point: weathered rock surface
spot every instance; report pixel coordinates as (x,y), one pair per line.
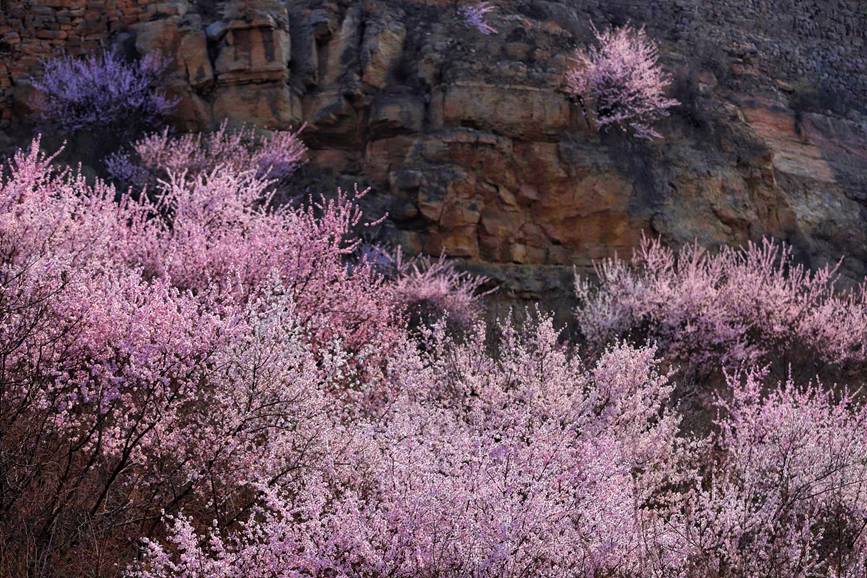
(471,145)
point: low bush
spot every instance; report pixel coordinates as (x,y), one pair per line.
(731,307)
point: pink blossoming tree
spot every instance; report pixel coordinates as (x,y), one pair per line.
(620,82)
(276,155)
(730,307)
(431,290)
(530,465)
(788,494)
(160,354)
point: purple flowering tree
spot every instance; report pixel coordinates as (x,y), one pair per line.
(100,91)
(475,16)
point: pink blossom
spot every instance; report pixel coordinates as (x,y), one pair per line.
(275,156)
(735,306)
(432,290)
(526,466)
(787,496)
(622,82)
(164,350)
(475,15)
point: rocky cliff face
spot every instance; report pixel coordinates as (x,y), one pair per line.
(471,145)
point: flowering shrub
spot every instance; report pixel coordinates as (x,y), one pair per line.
(789,494)
(519,467)
(276,156)
(475,16)
(738,305)
(99,91)
(432,290)
(621,79)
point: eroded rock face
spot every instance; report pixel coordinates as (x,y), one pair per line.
(471,145)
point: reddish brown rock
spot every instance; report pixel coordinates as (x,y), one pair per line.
(518,111)
(158,37)
(793,151)
(391,113)
(265,105)
(192,54)
(253,52)
(380,50)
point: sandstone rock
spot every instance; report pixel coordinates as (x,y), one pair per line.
(185,47)
(192,112)
(539,163)
(330,112)
(340,55)
(402,210)
(793,153)
(380,50)
(532,234)
(528,193)
(500,223)
(330,159)
(216,30)
(251,53)
(158,36)
(193,55)
(25,99)
(410,242)
(430,201)
(507,197)
(265,13)
(266,105)
(460,212)
(459,242)
(171,8)
(322,22)
(521,253)
(385,155)
(517,111)
(590,214)
(391,113)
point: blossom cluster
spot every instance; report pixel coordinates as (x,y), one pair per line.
(730,307)
(476,16)
(535,464)
(165,351)
(275,155)
(101,90)
(621,82)
(474,467)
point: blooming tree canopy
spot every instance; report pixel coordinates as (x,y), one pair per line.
(101,90)
(620,81)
